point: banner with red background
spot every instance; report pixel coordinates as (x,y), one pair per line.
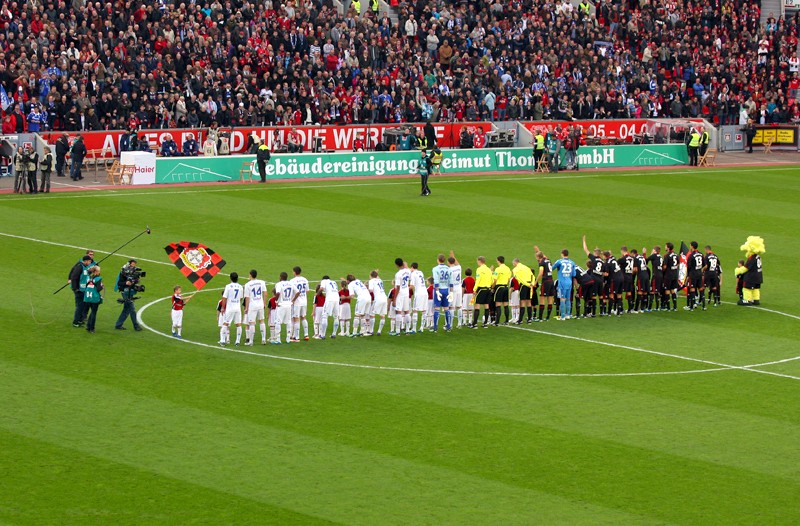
(337,138)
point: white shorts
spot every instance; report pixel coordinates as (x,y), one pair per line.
(430,307)
(403,303)
(458,295)
(421,302)
(392,312)
(514,299)
(317,314)
(220,319)
(177,317)
(283,314)
(299,310)
(362,306)
(271,318)
(254,315)
(466,301)
(344,311)
(233,317)
(331,308)
(379,308)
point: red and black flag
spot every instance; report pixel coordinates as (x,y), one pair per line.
(683,264)
(197,262)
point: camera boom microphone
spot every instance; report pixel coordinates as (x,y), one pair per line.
(145,231)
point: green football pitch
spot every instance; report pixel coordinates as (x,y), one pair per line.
(661,418)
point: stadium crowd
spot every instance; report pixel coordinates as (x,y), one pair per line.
(82,65)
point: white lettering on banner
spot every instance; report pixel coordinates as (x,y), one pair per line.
(305,166)
(342,137)
(597,156)
(506,160)
(110,145)
(466,163)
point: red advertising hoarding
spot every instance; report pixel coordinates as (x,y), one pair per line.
(623,129)
(337,138)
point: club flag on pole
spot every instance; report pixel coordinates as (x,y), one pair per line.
(196,261)
(683,265)
(5,100)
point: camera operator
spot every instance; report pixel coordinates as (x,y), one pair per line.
(128,285)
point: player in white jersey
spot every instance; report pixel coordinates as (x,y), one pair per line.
(442,293)
(255,291)
(283,314)
(363,301)
(458,292)
(379,302)
(232,307)
(299,305)
(329,288)
(420,300)
(402,297)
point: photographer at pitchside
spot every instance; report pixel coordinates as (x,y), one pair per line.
(128,285)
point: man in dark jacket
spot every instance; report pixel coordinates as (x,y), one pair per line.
(430,134)
(78,154)
(262,156)
(62,148)
(77,277)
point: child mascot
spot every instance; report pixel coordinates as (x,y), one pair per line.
(751,272)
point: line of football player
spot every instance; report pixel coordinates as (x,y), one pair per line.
(607,285)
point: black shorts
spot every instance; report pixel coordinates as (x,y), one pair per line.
(712,280)
(671,282)
(599,286)
(657,283)
(524,293)
(501,294)
(617,284)
(607,286)
(627,284)
(587,290)
(695,280)
(548,288)
(643,282)
(483,296)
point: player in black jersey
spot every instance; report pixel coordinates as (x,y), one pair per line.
(712,275)
(597,268)
(642,273)
(547,287)
(615,285)
(586,282)
(672,265)
(694,277)
(626,262)
(658,298)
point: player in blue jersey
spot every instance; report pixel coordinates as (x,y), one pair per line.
(442,293)
(565,269)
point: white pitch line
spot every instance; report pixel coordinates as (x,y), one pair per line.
(757,307)
(298,183)
(405,369)
(658,353)
(65,245)
(719,366)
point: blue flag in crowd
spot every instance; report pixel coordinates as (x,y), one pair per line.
(5,100)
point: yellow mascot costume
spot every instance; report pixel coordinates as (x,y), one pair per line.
(751,272)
